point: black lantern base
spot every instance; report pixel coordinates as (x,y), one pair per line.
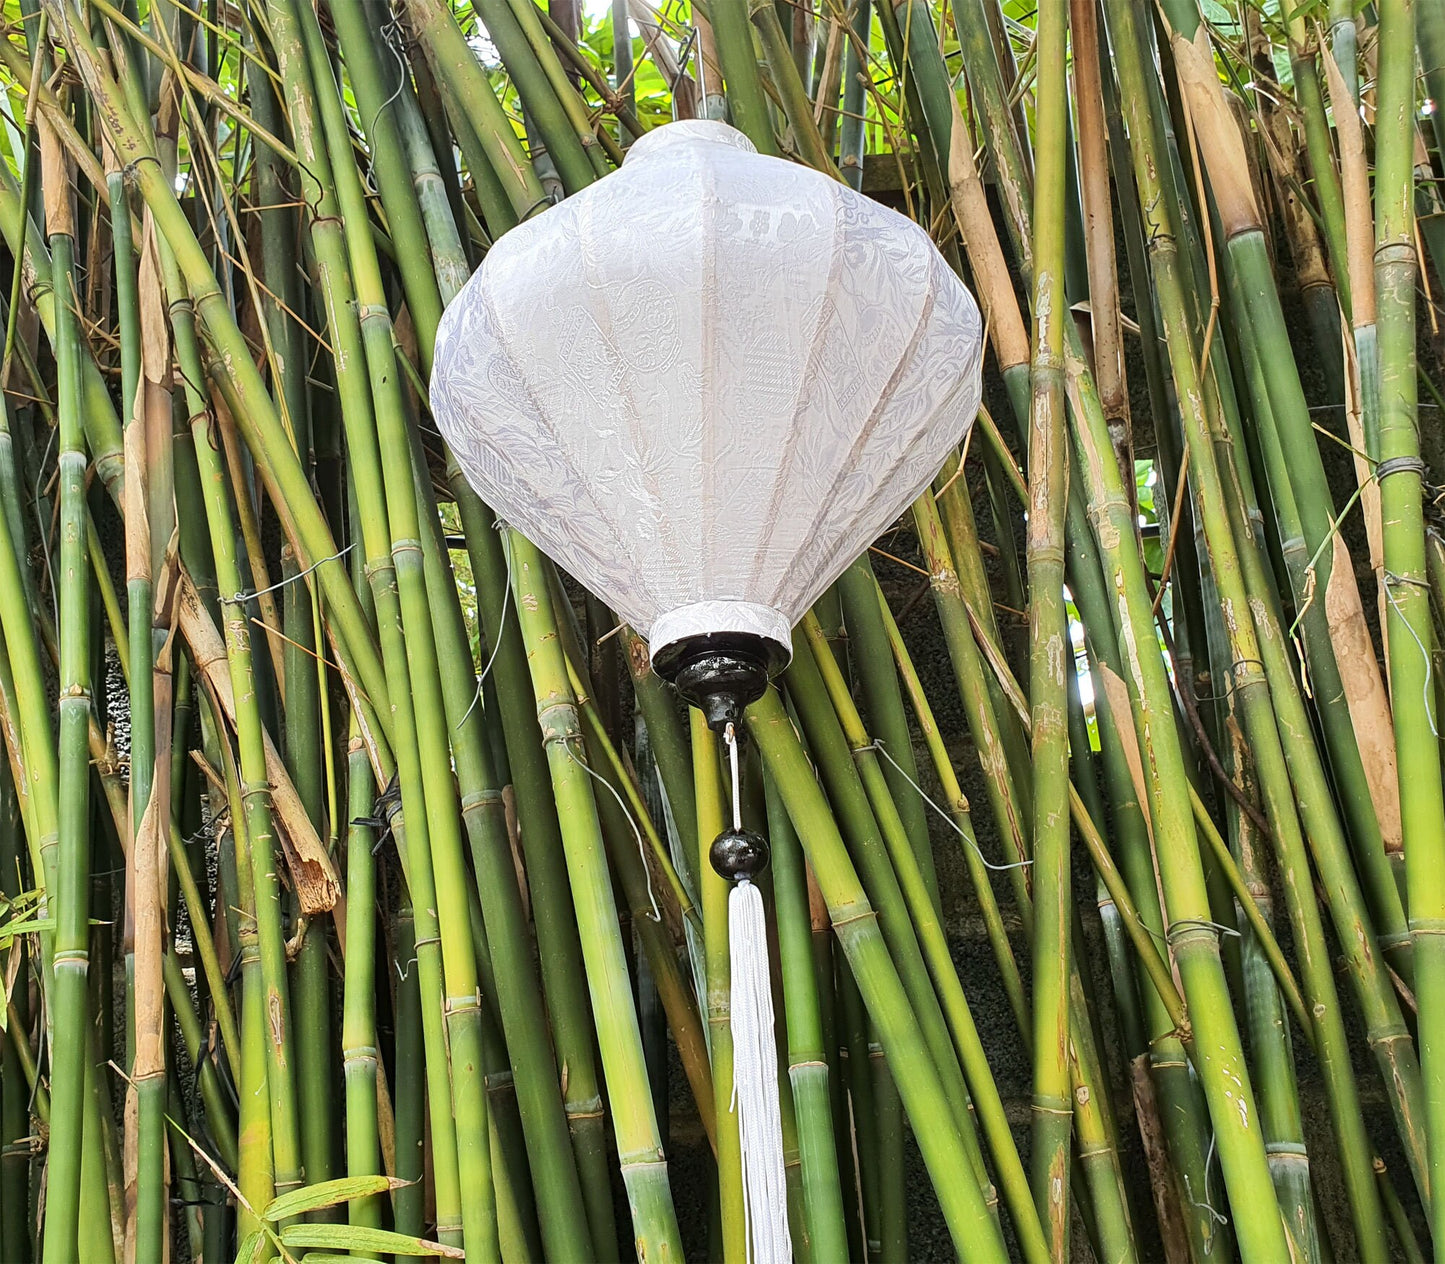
(720,673)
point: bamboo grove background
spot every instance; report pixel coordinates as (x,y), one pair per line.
(353,863)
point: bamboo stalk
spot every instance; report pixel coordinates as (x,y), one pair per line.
(1407,623)
(986,1102)
(1048,639)
(69,1001)
(856,926)
(808,1067)
(711,821)
(639,1146)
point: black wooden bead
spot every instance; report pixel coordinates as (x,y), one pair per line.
(738,854)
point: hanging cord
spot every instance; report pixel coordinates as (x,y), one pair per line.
(241,598)
(755,1067)
(626,811)
(877,745)
(731,738)
(1391,579)
(499,526)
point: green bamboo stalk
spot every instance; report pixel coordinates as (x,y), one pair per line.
(862,1138)
(964,1207)
(1263,317)
(515,987)
(1279,1106)
(256,1173)
(517,1230)
(958,808)
(69,1003)
(747,103)
(103,430)
(809,1072)
(831,750)
(892,1127)
(254,795)
(236,372)
(928,926)
(359,413)
(797,107)
(1387,1034)
(883,706)
(1250,689)
(14,1110)
(1408,632)
(380,112)
(852,134)
(559,952)
(1106,1182)
(655,916)
(440,200)
(552,45)
(1107,1213)
(639,1145)
(671,750)
(219,1123)
(551,101)
(1049,642)
(408,1201)
(311,1004)
(443,821)
(712,819)
(457,67)
(359,1056)
(1003,792)
(259,837)
(573,1044)
(676,899)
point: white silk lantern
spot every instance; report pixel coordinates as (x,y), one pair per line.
(703,385)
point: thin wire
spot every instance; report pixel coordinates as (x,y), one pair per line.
(1391,579)
(1206,1205)
(877,745)
(390,34)
(241,598)
(1196,922)
(636,833)
(501,622)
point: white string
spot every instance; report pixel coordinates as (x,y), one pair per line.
(731,738)
(501,628)
(755,1076)
(241,598)
(877,745)
(1390,581)
(626,811)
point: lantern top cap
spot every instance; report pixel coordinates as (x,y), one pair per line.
(688,131)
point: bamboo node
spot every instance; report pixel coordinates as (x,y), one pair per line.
(1426,926)
(558,721)
(1188,927)
(864,915)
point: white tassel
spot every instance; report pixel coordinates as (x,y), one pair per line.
(755,1080)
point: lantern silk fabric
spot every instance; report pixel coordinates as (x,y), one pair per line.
(705,383)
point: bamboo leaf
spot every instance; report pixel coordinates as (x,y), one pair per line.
(328,1194)
(358,1238)
(250,1250)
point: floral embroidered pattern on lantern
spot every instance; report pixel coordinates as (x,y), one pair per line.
(750,370)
